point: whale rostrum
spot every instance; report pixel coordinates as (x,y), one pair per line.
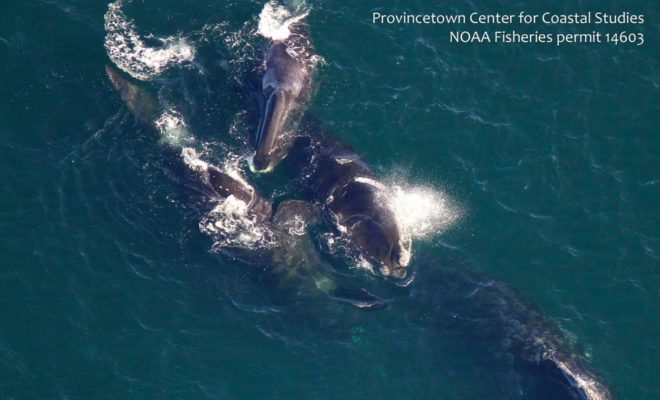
(284,91)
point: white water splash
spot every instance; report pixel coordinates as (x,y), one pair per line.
(131,54)
(421,211)
(231,226)
(173,129)
(297,226)
(275,20)
(192,160)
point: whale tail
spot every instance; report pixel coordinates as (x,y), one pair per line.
(495,316)
(359,298)
(576,379)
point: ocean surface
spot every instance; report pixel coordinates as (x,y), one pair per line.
(541,163)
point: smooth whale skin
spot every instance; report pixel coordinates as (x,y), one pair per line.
(351,196)
(355,202)
(284,92)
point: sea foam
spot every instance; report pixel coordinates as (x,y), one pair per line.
(128,50)
(275,20)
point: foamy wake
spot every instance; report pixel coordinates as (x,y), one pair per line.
(130,53)
(229,224)
(275,21)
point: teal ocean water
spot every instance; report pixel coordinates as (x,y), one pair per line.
(108,289)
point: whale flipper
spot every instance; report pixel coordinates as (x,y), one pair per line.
(225,185)
(359,298)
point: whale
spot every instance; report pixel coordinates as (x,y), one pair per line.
(343,190)
(293,258)
(284,89)
(351,197)
(457,299)
(355,203)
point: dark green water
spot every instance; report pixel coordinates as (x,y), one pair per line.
(109,290)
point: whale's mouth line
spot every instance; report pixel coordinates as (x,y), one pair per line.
(253,169)
(265,118)
(271,129)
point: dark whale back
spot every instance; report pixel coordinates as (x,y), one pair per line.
(351,196)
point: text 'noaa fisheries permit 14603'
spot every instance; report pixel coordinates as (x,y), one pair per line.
(611,28)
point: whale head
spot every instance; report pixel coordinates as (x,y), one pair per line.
(382,245)
(282,85)
(272,141)
(371,225)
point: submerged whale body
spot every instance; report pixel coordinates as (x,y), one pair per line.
(488,312)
